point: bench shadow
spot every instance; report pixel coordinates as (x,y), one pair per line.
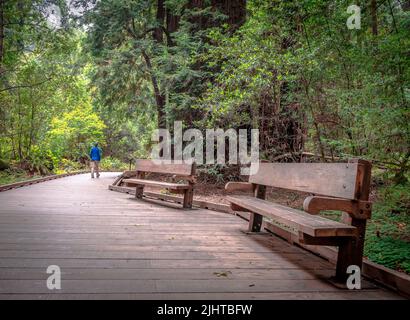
(317,266)
(164,203)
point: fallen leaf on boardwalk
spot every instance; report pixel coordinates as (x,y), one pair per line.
(222,274)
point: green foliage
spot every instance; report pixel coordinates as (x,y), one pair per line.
(390,252)
(113,164)
(349,87)
(40,161)
(128,131)
(72,135)
(45,83)
(66,165)
(395,199)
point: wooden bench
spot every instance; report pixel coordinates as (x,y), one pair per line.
(336,186)
(185,172)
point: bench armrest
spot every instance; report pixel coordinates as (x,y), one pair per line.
(239,186)
(356,208)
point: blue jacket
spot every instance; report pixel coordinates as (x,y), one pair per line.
(95,154)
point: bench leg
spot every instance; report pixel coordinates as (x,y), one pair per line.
(350,253)
(188,198)
(255,222)
(139,191)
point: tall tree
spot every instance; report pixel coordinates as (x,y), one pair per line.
(153,30)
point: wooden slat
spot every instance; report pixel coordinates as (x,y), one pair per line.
(171,274)
(312,225)
(165,246)
(329,179)
(152,183)
(280,263)
(305,295)
(165,168)
(171,254)
(167,286)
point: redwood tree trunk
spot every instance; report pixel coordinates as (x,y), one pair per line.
(234,9)
(159,39)
(158,33)
(373,8)
(2,2)
(172,22)
(159,97)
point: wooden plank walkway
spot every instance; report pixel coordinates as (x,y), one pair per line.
(109,245)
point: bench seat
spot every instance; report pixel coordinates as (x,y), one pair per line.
(314,226)
(152,183)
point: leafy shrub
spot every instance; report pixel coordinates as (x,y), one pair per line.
(13,174)
(71,134)
(67,165)
(388,251)
(218,174)
(4,165)
(40,161)
(396,199)
(113,164)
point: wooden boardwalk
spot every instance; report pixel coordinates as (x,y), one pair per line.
(109,245)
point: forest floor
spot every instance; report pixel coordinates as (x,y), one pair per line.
(388,231)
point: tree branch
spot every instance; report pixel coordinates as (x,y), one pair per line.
(25,85)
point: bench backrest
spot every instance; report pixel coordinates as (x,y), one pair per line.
(165,168)
(342,180)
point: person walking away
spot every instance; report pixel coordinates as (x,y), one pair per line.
(95,155)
